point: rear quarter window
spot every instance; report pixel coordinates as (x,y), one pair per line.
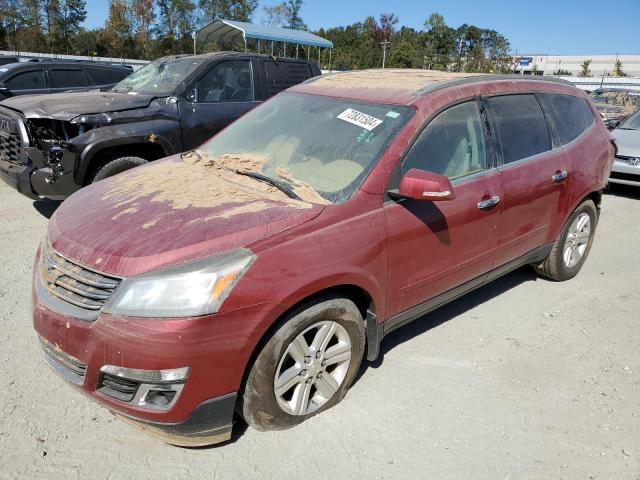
(33,79)
(521,129)
(63,78)
(106,76)
(571,116)
(282,75)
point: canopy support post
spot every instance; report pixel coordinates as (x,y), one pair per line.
(272,48)
(297,50)
(193,35)
(245,44)
(308,52)
(258,46)
(285,49)
(330,51)
(319,50)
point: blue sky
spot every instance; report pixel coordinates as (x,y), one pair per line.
(568,27)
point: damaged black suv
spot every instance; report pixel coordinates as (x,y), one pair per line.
(53,145)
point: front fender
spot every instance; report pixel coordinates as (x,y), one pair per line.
(165,133)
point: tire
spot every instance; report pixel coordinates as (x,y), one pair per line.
(115,166)
(560,265)
(313,375)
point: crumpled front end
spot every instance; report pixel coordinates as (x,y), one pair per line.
(36,157)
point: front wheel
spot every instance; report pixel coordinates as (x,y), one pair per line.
(572,246)
(115,166)
(306,367)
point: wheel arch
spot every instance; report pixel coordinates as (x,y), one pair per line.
(98,154)
(357,294)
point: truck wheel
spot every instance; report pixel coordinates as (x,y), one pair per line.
(115,166)
(306,367)
(572,246)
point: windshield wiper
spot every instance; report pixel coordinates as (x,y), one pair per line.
(283,187)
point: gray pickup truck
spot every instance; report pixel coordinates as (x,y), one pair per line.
(52,145)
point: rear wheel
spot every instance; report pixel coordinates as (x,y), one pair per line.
(572,246)
(306,367)
(115,166)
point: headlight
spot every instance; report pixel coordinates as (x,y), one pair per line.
(187,290)
(97,120)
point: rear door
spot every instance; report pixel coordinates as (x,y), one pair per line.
(278,75)
(63,79)
(221,95)
(27,82)
(436,246)
(535,179)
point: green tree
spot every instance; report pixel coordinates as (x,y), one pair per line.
(72,14)
(241,10)
(175,26)
(117,29)
(143,16)
(617,69)
(584,69)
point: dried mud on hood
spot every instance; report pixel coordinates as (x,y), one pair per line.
(199,181)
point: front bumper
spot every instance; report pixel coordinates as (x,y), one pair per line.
(623,172)
(17,177)
(216,347)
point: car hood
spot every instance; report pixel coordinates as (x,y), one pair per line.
(65,106)
(628,142)
(168,212)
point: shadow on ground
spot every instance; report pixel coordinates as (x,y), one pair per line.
(626,191)
(46,207)
(449,312)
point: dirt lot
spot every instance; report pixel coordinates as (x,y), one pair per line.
(524,378)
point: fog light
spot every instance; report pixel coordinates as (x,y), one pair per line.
(157,389)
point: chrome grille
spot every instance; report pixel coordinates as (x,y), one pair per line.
(76,284)
(69,367)
(10,144)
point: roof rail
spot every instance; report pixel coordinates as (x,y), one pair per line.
(486,78)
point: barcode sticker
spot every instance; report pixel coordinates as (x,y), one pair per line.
(360,119)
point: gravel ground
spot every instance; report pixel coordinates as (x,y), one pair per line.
(524,378)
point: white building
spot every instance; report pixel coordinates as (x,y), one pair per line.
(601,65)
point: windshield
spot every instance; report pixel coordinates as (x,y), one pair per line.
(631,123)
(313,142)
(159,78)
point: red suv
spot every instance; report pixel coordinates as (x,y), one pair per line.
(255,272)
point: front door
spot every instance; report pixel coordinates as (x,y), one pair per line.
(436,246)
(219,97)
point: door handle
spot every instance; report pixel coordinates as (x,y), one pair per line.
(489,202)
(560,176)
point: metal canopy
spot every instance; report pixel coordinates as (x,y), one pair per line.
(227,31)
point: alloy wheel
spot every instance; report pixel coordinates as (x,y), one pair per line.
(577,240)
(312,368)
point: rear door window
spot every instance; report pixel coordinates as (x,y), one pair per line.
(521,129)
(31,80)
(106,76)
(282,75)
(60,78)
(571,116)
(452,144)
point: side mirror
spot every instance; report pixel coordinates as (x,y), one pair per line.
(191,95)
(422,185)
(611,124)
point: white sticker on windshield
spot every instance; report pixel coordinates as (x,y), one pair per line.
(360,119)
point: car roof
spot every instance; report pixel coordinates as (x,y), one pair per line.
(66,63)
(212,55)
(401,86)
